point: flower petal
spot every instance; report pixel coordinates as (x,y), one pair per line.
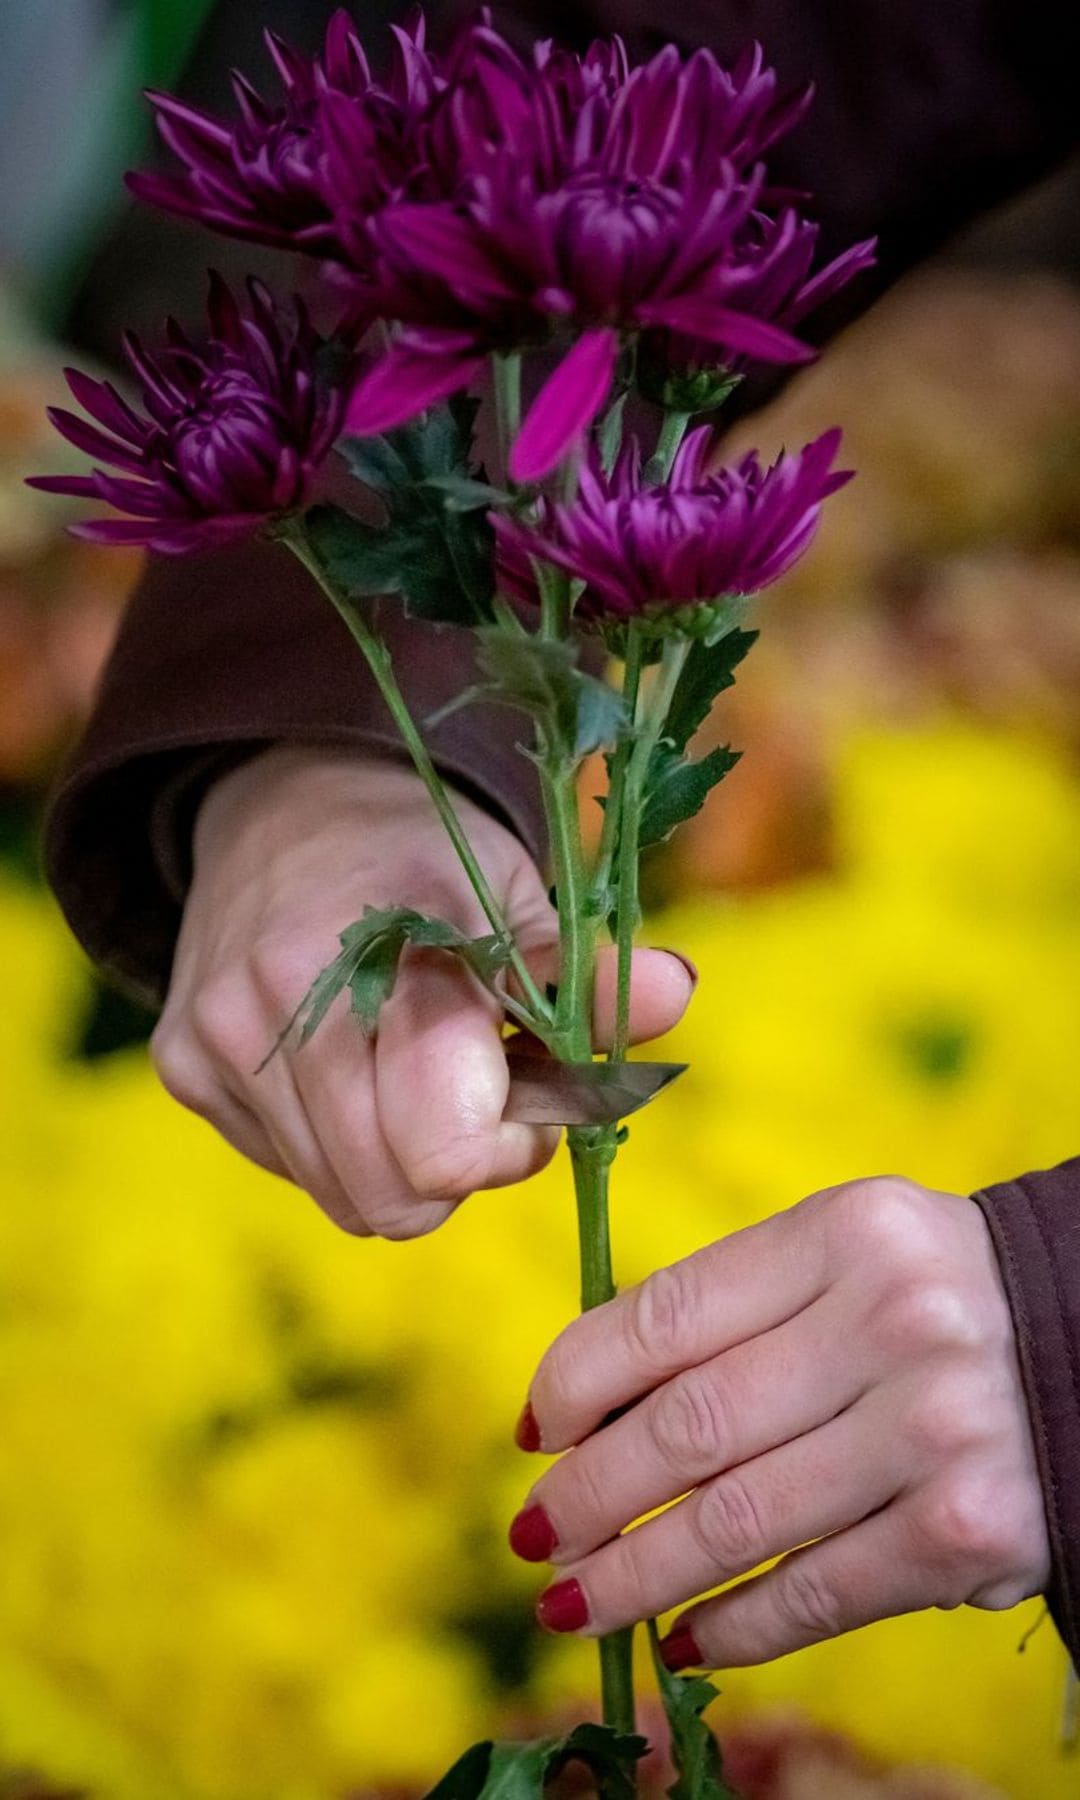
(702,318)
(566,405)
(405,381)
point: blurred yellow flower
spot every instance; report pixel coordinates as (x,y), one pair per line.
(256,1475)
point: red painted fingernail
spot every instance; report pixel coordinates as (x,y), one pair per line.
(679,1651)
(527,1431)
(690,967)
(532,1535)
(563,1607)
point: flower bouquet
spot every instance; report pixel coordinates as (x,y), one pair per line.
(605,237)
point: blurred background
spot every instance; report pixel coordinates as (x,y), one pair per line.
(254,1476)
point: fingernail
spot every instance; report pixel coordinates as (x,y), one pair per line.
(563,1607)
(527,1431)
(532,1535)
(690,967)
(679,1651)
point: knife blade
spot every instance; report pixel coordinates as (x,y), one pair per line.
(546,1092)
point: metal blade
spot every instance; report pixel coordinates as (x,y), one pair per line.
(546,1092)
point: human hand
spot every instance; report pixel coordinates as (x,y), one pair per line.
(387,1136)
(839,1383)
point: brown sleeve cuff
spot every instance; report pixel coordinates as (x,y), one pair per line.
(1035,1225)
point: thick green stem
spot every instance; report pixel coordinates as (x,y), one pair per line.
(592,1148)
(631,799)
(378,661)
(592,1152)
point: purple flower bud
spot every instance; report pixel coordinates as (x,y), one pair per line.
(652,553)
(232,434)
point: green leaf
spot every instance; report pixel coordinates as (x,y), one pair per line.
(364,560)
(437,548)
(677,788)
(436,442)
(575,712)
(694,1750)
(439,560)
(708,670)
(507,1771)
(367,965)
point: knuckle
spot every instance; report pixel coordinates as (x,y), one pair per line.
(557,1388)
(657,1312)
(451,1170)
(399,1223)
(180,1067)
(281,971)
(962,1527)
(220,1020)
(886,1215)
(927,1315)
(635,1576)
(584,1497)
(728,1525)
(807,1603)
(939,1422)
(687,1422)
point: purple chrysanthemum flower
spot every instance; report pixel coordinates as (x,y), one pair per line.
(233,434)
(602,254)
(671,553)
(629,209)
(261,176)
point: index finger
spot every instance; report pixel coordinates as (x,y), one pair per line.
(676,1318)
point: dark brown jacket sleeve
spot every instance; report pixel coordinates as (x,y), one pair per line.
(1035,1224)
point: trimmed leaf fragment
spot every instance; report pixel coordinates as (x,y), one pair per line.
(694,1750)
(367,965)
(507,1771)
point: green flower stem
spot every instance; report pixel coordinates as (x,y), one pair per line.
(671,436)
(592,1152)
(572,1038)
(506,371)
(633,792)
(378,660)
(592,1148)
(609,835)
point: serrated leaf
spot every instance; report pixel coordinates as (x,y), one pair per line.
(436,442)
(520,1771)
(576,712)
(440,561)
(375,461)
(367,965)
(677,788)
(694,1750)
(364,560)
(437,548)
(709,669)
